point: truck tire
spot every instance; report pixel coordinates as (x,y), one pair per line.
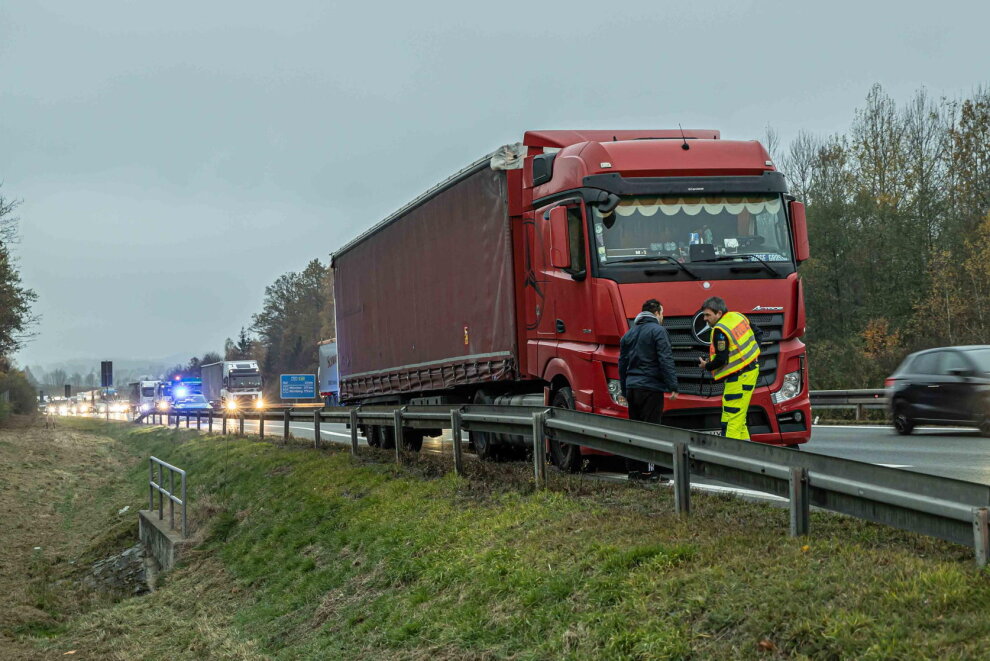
(387,436)
(372,436)
(565,456)
(484,445)
(412,439)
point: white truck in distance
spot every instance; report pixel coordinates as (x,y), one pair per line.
(143,394)
(233,384)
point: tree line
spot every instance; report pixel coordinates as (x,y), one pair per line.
(899,223)
(16,319)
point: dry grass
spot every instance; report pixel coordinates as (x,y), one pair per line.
(305,554)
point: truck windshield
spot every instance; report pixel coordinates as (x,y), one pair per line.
(147,392)
(246,381)
(693,228)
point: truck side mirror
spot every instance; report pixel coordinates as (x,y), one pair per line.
(560,244)
(799,226)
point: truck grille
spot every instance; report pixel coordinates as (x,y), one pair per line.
(686,350)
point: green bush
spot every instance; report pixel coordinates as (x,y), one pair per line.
(22,397)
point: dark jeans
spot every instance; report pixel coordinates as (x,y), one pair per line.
(647,406)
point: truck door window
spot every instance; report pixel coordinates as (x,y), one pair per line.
(575,233)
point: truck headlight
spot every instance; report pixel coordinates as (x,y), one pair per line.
(231,405)
(259,403)
(790,389)
(615,392)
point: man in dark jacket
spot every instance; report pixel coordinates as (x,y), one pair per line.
(646,365)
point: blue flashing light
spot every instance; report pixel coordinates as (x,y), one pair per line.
(180,392)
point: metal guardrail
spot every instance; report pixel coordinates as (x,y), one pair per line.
(860,400)
(168,493)
(946,508)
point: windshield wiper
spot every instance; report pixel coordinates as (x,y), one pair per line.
(655,258)
(725,258)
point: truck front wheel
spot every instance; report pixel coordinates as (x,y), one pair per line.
(565,456)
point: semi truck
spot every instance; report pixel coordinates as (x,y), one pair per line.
(513,280)
(232,384)
(143,395)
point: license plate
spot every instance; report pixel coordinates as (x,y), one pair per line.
(714,432)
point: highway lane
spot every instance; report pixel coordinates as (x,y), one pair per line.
(958,452)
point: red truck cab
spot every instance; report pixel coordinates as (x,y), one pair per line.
(611,219)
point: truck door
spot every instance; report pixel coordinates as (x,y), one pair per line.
(539,317)
(566,291)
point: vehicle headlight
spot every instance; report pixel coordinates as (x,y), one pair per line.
(162,406)
(259,403)
(615,392)
(790,389)
(231,405)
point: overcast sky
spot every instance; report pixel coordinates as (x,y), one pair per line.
(174,158)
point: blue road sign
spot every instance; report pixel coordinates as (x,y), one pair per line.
(298,386)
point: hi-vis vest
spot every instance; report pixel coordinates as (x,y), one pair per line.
(743,348)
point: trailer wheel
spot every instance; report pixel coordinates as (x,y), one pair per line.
(387,436)
(565,456)
(371,435)
(484,444)
(412,439)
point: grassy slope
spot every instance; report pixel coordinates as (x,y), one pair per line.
(308,554)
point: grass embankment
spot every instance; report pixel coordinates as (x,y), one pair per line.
(306,554)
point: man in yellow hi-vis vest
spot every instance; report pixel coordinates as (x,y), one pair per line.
(733,359)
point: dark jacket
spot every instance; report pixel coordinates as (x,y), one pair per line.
(645,358)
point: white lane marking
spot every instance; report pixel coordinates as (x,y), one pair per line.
(889,428)
(896,465)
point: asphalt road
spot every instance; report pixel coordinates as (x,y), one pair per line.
(956,452)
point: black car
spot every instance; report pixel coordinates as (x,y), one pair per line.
(944,386)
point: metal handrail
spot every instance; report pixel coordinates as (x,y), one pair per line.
(942,507)
(164,493)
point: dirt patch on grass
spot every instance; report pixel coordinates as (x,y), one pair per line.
(54,486)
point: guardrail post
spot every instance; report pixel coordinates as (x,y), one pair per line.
(540,448)
(981,536)
(240,424)
(354,431)
(171,502)
(455,435)
(151,489)
(199,421)
(682,479)
(176,419)
(223,425)
(859,412)
(209,422)
(316,429)
(800,517)
(161,484)
(185,524)
(285,426)
(397,430)
(261,425)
